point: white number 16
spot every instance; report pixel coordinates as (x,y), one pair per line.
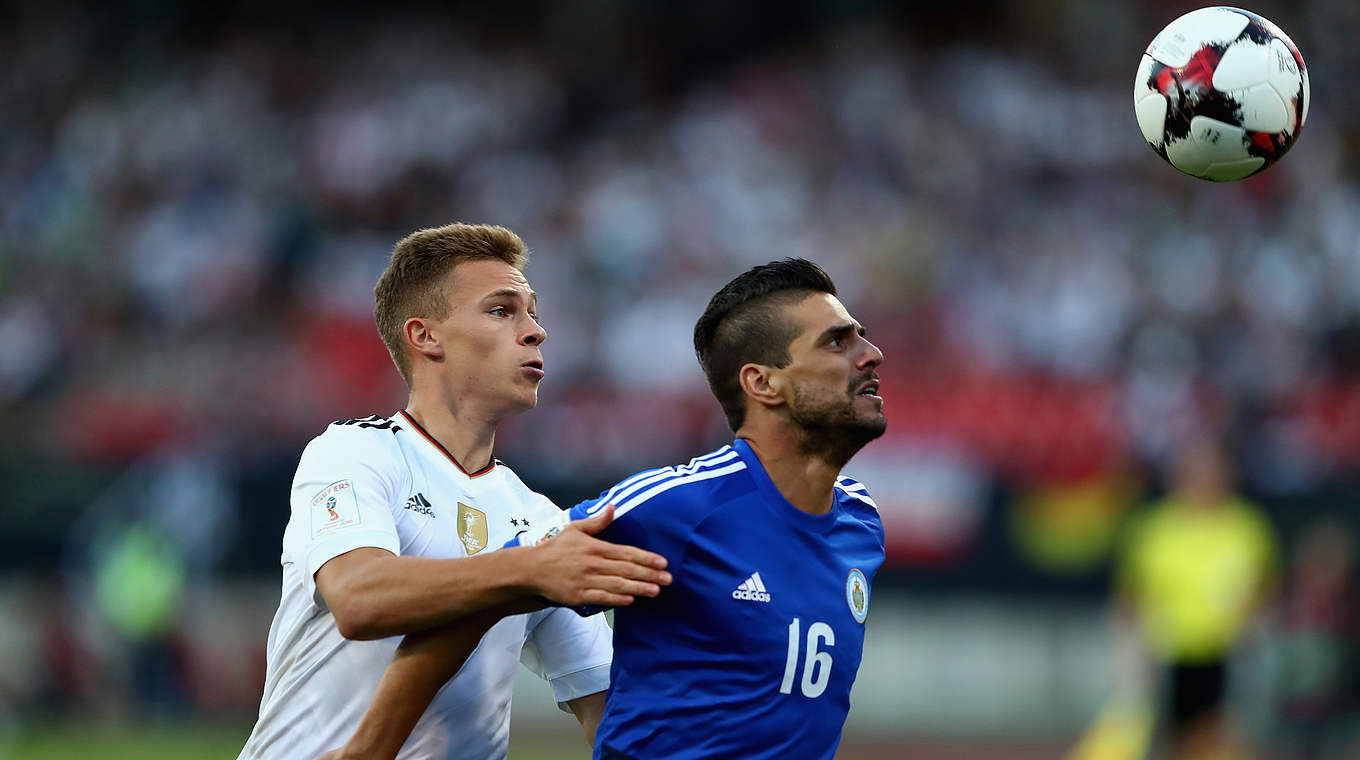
(817,665)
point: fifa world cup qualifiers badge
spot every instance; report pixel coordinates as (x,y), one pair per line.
(334,507)
(857,595)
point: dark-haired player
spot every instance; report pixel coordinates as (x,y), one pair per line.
(751,652)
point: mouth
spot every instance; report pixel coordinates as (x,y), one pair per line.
(533,368)
(869,390)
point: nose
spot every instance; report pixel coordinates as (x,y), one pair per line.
(872,356)
(535,334)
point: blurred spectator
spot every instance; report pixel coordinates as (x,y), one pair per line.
(1318,642)
(1197,567)
(139,589)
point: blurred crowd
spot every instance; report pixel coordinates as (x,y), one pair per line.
(196,209)
(196,205)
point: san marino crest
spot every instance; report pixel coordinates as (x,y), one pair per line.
(471,528)
(857,595)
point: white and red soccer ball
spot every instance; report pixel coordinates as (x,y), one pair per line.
(1221,93)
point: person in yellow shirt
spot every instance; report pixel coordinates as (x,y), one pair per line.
(1196,568)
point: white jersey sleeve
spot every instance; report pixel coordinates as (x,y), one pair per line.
(571,652)
(348,483)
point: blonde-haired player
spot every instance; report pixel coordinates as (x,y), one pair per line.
(392,518)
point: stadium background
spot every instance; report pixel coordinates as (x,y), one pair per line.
(196,200)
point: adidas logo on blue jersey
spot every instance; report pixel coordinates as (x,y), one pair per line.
(752,590)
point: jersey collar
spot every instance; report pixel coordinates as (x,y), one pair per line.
(444,451)
(782,506)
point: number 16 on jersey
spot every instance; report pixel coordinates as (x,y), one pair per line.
(816,663)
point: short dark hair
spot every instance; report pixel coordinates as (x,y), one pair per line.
(742,325)
(412,285)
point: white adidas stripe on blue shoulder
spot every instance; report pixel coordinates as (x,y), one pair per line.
(850,484)
(666,474)
(725,453)
(642,480)
(855,490)
(631,479)
(664,485)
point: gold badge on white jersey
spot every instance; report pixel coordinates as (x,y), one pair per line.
(471,528)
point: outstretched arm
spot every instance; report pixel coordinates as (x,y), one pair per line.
(423,663)
(375,594)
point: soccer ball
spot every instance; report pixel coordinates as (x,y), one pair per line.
(1221,93)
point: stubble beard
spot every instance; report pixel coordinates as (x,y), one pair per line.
(830,428)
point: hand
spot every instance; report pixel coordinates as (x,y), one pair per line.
(576,569)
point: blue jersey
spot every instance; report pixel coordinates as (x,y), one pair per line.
(753,648)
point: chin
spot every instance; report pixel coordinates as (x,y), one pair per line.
(876,420)
(875,427)
(519,405)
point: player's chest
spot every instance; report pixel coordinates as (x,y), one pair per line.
(443,517)
(760,586)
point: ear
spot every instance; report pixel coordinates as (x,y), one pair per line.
(422,339)
(762,384)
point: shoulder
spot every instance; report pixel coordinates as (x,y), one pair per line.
(1252,520)
(1142,530)
(363,438)
(675,491)
(508,478)
(510,486)
(508,483)
(854,497)
(372,422)
(853,490)
(1248,512)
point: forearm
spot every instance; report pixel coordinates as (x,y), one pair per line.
(375,594)
(589,710)
(423,663)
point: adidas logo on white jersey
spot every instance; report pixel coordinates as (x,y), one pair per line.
(752,590)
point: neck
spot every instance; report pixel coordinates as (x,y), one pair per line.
(805,479)
(464,432)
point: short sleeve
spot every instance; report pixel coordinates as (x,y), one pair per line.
(341,500)
(572,653)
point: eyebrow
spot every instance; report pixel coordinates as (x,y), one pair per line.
(840,331)
(511,293)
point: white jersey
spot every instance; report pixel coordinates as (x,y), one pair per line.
(385,483)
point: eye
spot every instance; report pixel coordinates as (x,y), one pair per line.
(836,342)
(499,311)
